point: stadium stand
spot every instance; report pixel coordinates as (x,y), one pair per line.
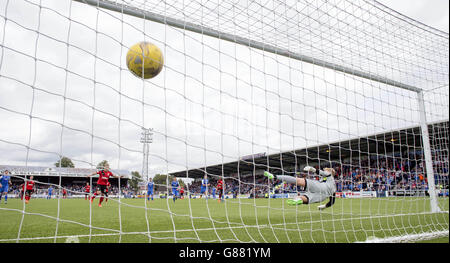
(72,179)
(398,171)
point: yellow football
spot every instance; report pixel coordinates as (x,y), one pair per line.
(145,60)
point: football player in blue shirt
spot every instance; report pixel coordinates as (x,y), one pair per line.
(50,192)
(5,180)
(214,193)
(150,187)
(175,186)
(204,187)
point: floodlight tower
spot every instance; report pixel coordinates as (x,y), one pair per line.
(146,139)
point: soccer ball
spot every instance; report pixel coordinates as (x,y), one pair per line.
(145,60)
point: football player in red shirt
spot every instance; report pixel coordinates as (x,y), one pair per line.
(64,193)
(22,190)
(182,193)
(220,188)
(102,183)
(87,190)
(29,188)
(107,191)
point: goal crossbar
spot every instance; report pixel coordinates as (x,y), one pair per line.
(147,15)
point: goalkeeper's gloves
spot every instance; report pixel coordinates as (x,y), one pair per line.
(297,201)
(313,170)
(309,169)
(269,175)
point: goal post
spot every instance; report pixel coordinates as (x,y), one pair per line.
(427,153)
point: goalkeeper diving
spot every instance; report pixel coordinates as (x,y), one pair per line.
(316,191)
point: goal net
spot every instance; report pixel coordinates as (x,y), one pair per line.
(246,87)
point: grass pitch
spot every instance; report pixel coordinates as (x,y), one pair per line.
(201,220)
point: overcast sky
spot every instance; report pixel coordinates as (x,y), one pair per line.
(215,100)
(433,13)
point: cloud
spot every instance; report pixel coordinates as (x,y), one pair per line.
(433,13)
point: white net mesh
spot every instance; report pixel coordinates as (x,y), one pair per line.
(258,86)
(362,35)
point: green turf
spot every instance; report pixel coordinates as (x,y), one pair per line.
(195,220)
(435,240)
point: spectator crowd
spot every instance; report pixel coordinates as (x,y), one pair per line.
(378,173)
